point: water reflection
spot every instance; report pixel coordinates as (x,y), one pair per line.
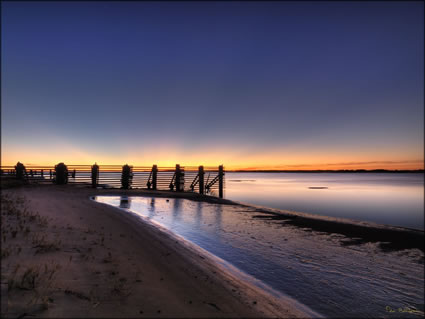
(218,218)
(198,219)
(315,268)
(390,198)
(152,205)
(176,212)
(125,202)
(151,208)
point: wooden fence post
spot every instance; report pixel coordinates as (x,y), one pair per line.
(201,179)
(177,182)
(126,177)
(94,175)
(154,176)
(20,170)
(220,181)
(61,174)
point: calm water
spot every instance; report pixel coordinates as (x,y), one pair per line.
(314,268)
(386,198)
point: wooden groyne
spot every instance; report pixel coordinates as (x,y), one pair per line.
(202,179)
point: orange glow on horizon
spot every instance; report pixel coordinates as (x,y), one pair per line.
(167,155)
(414,165)
(367,165)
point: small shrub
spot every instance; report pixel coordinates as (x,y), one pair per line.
(42,245)
(29,279)
(5,253)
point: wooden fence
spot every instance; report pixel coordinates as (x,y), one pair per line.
(204,180)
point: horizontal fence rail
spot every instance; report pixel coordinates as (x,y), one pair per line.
(204,180)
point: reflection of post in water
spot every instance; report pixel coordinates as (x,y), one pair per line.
(152,204)
(198,217)
(151,208)
(125,202)
(218,217)
(176,210)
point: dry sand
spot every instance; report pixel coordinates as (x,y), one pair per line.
(65,255)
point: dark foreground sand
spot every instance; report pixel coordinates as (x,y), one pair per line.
(64,255)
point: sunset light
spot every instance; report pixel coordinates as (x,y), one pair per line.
(212,159)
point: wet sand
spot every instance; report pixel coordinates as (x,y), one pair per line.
(64,255)
(389,237)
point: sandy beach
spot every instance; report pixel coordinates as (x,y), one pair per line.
(64,255)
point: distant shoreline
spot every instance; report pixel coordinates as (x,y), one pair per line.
(328,171)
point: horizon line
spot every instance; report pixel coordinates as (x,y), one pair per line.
(388,165)
(241,170)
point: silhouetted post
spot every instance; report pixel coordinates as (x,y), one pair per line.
(125,176)
(148,184)
(171,183)
(61,174)
(201,179)
(73,173)
(178,178)
(94,175)
(31,173)
(154,176)
(42,173)
(20,170)
(220,181)
(50,174)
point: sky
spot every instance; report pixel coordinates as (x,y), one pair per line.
(253,85)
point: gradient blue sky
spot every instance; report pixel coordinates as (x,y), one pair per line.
(244,84)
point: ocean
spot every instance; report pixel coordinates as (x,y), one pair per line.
(395,199)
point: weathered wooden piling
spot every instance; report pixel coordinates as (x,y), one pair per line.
(201,174)
(94,175)
(179,179)
(20,170)
(220,181)
(126,177)
(171,186)
(61,174)
(154,176)
(152,180)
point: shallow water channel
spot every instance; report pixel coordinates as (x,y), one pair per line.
(315,268)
